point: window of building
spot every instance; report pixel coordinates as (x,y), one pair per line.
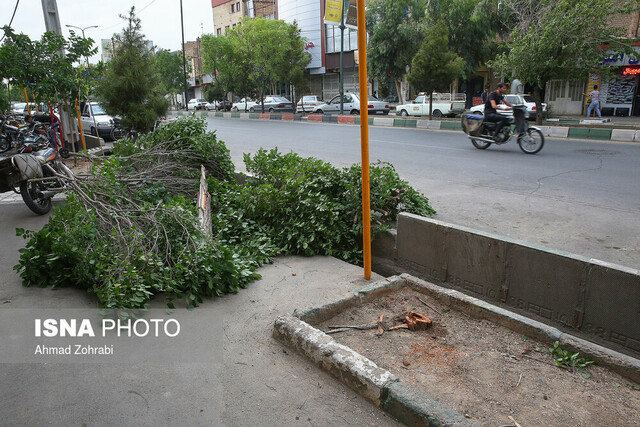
(233,7)
(234,26)
(237,6)
(226,28)
(219,32)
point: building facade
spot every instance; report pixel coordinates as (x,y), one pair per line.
(323,46)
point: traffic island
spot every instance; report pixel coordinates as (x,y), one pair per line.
(389,367)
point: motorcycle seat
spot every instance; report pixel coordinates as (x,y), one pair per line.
(474,117)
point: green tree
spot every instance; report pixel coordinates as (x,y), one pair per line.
(170,72)
(131,87)
(293,61)
(395,29)
(221,61)
(559,39)
(46,66)
(434,67)
(472,25)
(269,51)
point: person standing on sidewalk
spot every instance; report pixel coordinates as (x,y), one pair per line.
(595,101)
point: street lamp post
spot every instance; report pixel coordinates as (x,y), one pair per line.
(83,36)
(95,125)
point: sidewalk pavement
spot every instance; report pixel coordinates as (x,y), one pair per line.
(261,382)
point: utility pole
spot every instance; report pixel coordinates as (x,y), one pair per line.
(184,60)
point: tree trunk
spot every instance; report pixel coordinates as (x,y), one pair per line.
(399,90)
(204,204)
(537,96)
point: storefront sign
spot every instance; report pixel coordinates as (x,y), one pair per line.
(631,71)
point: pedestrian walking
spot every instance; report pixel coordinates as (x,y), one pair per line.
(594,96)
(485,95)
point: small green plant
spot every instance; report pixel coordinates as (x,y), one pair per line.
(568,359)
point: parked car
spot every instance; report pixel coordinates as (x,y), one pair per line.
(224,105)
(211,106)
(351,105)
(273,104)
(391,99)
(18,108)
(102,125)
(244,104)
(307,103)
(513,99)
(197,104)
(531,107)
(444,104)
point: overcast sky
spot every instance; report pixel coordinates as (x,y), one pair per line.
(160,19)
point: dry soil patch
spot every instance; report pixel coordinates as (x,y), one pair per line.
(486,371)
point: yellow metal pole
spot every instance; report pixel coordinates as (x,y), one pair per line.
(34,101)
(84,146)
(26,98)
(364,139)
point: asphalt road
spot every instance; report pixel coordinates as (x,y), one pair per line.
(578,196)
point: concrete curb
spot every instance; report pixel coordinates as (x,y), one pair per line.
(561,132)
(378,385)
(384,389)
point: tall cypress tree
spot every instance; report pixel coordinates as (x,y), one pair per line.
(131,87)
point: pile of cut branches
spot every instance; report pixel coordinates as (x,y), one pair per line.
(131,230)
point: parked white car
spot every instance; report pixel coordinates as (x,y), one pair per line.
(444,104)
(197,104)
(531,107)
(18,109)
(244,104)
(211,106)
(307,103)
(513,99)
(102,125)
(351,105)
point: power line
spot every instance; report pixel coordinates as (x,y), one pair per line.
(12,16)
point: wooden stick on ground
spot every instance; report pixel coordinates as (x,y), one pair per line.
(514,421)
(360,327)
(427,304)
(380,328)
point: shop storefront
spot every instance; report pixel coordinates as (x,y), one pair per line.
(619,95)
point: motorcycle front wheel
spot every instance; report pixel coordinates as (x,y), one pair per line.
(480,145)
(29,193)
(531,142)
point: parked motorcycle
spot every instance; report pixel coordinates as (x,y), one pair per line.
(37,174)
(481,133)
(12,135)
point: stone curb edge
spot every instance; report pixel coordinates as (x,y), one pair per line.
(559,132)
(384,389)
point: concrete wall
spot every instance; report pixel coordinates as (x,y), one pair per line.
(587,297)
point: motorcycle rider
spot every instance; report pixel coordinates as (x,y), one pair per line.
(493,104)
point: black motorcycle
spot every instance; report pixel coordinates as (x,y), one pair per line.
(482,133)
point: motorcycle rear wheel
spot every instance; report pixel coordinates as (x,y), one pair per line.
(5,145)
(480,145)
(28,191)
(531,142)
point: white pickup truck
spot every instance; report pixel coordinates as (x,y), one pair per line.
(444,104)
